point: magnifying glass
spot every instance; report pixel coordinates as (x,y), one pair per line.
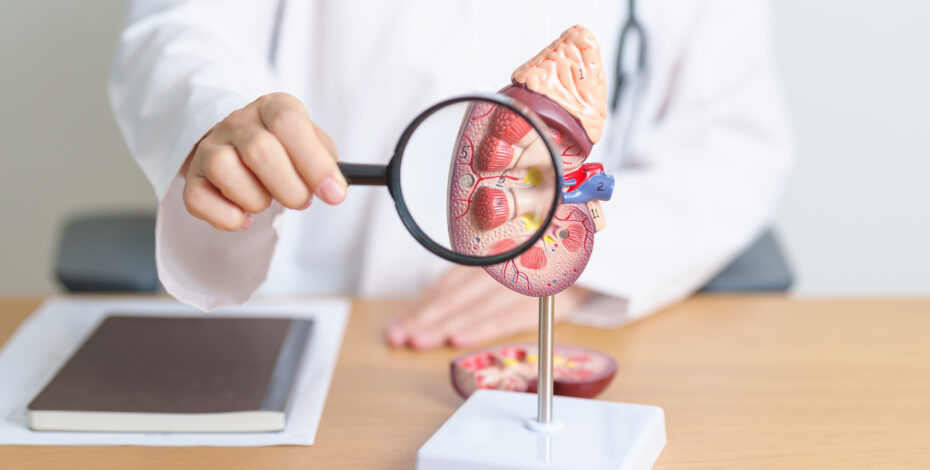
(475,178)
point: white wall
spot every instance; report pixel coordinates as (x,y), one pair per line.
(856,216)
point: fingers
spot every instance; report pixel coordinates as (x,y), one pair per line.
(266,157)
(467,304)
(495,309)
(327,142)
(223,168)
(517,315)
(204,201)
(451,308)
(267,150)
(459,284)
(311,150)
(398,327)
(465,307)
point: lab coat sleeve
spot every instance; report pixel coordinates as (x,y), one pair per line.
(181,67)
(707,173)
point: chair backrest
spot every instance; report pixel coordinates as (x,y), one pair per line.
(762,267)
(108,253)
(116,253)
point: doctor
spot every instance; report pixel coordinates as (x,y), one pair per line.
(237,111)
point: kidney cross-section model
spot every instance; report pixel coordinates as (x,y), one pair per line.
(577,371)
(501,166)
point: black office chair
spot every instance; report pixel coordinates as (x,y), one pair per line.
(108,253)
(762,267)
(116,253)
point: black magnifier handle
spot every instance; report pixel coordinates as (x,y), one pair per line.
(364,174)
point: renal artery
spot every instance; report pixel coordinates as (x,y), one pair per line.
(588,183)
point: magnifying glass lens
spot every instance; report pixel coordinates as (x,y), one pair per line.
(478,180)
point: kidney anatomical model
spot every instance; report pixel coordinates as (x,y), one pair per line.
(498,166)
(494,176)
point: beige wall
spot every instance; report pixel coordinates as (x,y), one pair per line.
(61,151)
(856,216)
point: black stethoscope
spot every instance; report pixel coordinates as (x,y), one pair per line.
(632,30)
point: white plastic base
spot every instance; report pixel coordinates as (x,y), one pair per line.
(489,432)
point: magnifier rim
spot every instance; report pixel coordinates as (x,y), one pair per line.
(397,194)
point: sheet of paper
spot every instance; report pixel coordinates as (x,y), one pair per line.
(47,338)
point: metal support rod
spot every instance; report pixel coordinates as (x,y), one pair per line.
(544,387)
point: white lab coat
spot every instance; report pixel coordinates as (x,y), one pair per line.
(697,179)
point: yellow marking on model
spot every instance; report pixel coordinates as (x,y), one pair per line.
(531,221)
(533,177)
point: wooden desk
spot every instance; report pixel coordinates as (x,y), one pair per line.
(746,382)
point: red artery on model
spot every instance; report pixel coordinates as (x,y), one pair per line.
(575,178)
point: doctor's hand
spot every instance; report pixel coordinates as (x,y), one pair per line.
(268,150)
(465,307)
